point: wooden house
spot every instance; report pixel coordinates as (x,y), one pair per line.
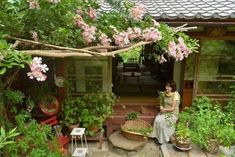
(207,73)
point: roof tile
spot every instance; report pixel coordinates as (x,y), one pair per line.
(186,9)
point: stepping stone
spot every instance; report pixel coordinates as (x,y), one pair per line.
(119,141)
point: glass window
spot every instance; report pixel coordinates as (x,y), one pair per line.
(189,68)
(216,68)
(93,78)
(88,75)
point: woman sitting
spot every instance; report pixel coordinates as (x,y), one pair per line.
(163,127)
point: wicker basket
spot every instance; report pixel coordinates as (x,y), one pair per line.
(134,124)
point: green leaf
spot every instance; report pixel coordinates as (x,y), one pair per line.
(3,133)
(3,70)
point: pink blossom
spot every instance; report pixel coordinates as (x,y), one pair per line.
(93,30)
(92,13)
(89,34)
(79,22)
(137,12)
(37,69)
(162,59)
(183,47)
(181,44)
(34,35)
(104,39)
(121,39)
(172,48)
(179,56)
(33,4)
(134,33)
(178,51)
(79,11)
(137,30)
(152,34)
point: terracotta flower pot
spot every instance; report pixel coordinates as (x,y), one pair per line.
(93,128)
(183,143)
(213,146)
(71,127)
(49,105)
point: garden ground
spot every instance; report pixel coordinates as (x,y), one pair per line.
(149,150)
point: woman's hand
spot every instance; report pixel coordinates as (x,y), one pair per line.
(162,110)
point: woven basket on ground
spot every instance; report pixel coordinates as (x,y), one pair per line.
(135,125)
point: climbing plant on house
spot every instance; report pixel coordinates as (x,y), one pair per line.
(84,29)
(70,28)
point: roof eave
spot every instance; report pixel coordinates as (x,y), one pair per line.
(199,22)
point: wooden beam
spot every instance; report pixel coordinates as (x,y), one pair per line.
(215,31)
(56,53)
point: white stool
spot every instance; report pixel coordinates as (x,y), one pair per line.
(79,151)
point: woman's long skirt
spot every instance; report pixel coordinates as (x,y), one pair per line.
(163,127)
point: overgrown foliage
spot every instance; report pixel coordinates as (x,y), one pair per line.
(78,24)
(6,138)
(11,59)
(207,120)
(34,140)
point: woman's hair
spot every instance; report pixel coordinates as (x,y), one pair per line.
(172,85)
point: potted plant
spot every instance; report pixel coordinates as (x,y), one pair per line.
(49,105)
(210,126)
(98,106)
(182,136)
(71,110)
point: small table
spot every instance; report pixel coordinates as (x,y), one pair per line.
(133,74)
(79,151)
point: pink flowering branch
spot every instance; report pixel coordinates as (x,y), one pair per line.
(149,35)
(54,46)
(69,53)
(38,69)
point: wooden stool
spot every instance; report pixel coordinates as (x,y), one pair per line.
(79,133)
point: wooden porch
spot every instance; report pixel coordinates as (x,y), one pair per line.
(139,99)
(145,104)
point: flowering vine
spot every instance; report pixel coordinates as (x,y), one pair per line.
(37,69)
(83,28)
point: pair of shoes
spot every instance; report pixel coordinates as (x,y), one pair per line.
(156,141)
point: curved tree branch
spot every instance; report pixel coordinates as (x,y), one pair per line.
(57,53)
(112,53)
(69,53)
(54,46)
(62,52)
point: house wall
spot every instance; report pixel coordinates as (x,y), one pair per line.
(177,75)
(206,80)
(89,74)
(216,69)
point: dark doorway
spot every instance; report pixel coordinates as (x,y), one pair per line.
(143,77)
